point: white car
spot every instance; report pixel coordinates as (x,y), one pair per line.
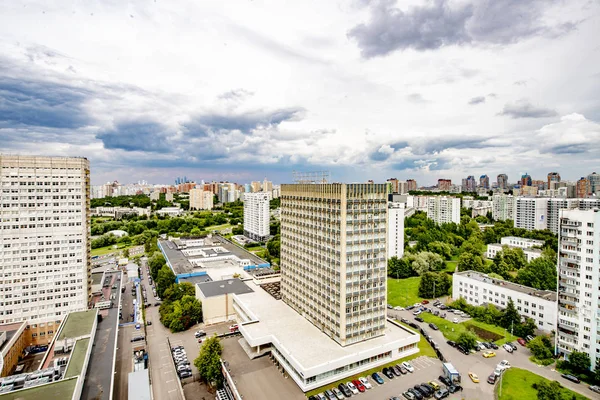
(417,312)
(365,382)
(352,388)
(455,320)
(398,308)
(408,367)
(507,348)
(504,364)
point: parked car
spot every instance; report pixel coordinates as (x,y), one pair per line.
(352,388)
(417,312)
(418,395)
(441,394)
(199,334)
(474,377)
(493,345)
(511,344)
(504,364)
(408,395)
(329,394)
(404,320)
(522,342)
(344,389)
(387,372)
(396,370)
(488,354)
(338,394)
(403,370)
(595,389)
(427,389)
(434,385)
(434,327)
(377,378)
(425,302)
(398,308)
(365,382)
(410,307)
(361,388)
(445,380)
(492,379)
(436,313)
(571,378)
(451,343)
(454,388)
(321,396)
(408,367)
(390,307)
(455,320)
(507,347)
(529,338)
(185,374)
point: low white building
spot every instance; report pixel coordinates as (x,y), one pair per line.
(217,299)
(495,248)
(479,289)
(395,229)
(170,211)
(523,243)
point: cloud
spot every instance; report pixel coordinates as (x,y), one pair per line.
(524,109)
(383,153)
(441,23)
(573,134)
(477,100)
(416,98)
(137,136)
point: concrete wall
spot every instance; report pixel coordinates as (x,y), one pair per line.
(218,309)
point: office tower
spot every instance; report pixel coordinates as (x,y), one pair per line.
(255,186)
(395,229)
(503,207)
(256,216)
(442,209)
(484,181)
(594,181)
(553,179)
(444,185)
(201,200)
(525,179)
(502,181)
(411,185)
(267,186)
(333,257)
(531,213)
(45,260)
(583,187)
(578,274)
(393,185)
(469,184)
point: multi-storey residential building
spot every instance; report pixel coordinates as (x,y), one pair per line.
(402,187)
(411,185)
(395,229)
(553,179)
(44,237)
(502,181)
(267,186)
(418,203)
(583,187)
(526,179)
(442,209)
(201,199)
(444,184)
(531,213)
(255,186)
(503,207)
(393,185)
(477,289)
(469,184)
(256,216)
(334,257)
(594,180)
(484,181)
(557,204)
(578,284)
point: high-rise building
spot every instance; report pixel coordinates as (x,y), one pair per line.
(44,237)
(393,185)
(443,210)
(555,205)
(411,185)
(403,187)
(267,186)
(256,216)
(553,178)
(469,184)
(525,179)
(539,184)
(502,181)
(503,207)
(578,277)
(444,185)
(484,181)
(395,229)
(255,185)
(333,257)
(201,199)
(594,180)
(531,213)
(583,187)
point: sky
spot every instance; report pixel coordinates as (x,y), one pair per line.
(243,90)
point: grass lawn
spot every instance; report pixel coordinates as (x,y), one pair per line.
(109,249)
(425,349)
(404,292)
(217,227)
(451,331)
(450,266)
(516,385)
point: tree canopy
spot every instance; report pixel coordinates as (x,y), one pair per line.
(208,362)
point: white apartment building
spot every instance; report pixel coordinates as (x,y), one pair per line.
(201,199)
(155,195)
(531,213)
(495,248)
(478,289)
(504,207)
(45,266)
(523,243)
(395,229)
(579,283)
(419,203)
(443,210)
(556,204)
(256,216)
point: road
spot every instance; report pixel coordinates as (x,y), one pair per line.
(483,367)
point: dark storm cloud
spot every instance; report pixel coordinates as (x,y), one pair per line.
(26,102)
(137,136)
(477,100)
(439,23)
(524,109)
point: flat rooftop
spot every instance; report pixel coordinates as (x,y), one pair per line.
(77,358)
(139,385)
(178,261)
(227,286)
(304,342)
(528,250)
(10,330)
(62,389)
(544,294)
(78,324)
(97,278)
(195,279)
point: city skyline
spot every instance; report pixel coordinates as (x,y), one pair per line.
(144,101)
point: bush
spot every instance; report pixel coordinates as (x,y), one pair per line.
(468,340)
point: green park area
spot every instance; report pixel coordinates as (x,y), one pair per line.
(100,251)
(517,384)
(404,292)
(485,332)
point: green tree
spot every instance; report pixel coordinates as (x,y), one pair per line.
(511,317)
(209,362)
(539,274)
(526,329)
(548,390)
(178,290)
(434,284)
(164,279)
(538,348)
(399,268)
(273,246)
(470,262)
(191,310)
(597,373)
(156,262)
(176,319)
(509,259)
(579,362)
(443,249)
(468,340)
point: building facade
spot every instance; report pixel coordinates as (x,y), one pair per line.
(526,179)
(484,181)
(44,237)
(443,210)
(502,181)
(478,289)
(201,199)
(503,207)
(578,284)
(495,248)
(444,185)
(531,213)
(553,179)
(256,216)
(411,185)
(469,184)
(594,180)
(395,229)
(583,188)
(334,257)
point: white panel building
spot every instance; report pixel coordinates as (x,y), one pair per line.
(531,213)
(478,289)
(45,265)
(495,248)
(201,199)
(578,283)
(442,209)
(503,207)
(395,229)
(256,216)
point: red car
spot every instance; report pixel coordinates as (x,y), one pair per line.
(522,342)
(425,302)
(361,388)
